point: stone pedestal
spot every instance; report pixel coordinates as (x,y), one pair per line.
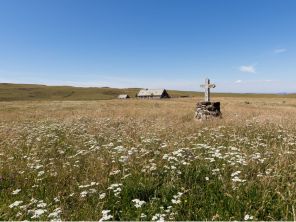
(206,110)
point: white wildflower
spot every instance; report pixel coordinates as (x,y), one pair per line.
(102,196)
(158,217)
(92,190)
(38,213)
(41,205)
(55,214)
(116,188)
(40,173)
(143,215)
(84,186)
(94,183)
(138,203)
(177,198)
(15,204)
(106,215)
(235,173)
(83,193)
(237,179)
(33,200)
(15,192)
(37,167)
(115,172)
(248,217)
(176,201)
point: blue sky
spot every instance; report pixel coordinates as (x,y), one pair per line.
(242,45)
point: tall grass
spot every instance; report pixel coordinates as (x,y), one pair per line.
(147,160)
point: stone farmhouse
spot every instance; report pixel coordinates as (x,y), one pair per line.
(153,94)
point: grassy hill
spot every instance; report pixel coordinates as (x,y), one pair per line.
(18,92)
(15,92)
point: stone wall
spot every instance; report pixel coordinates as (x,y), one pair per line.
(206,110)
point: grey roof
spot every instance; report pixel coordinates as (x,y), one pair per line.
(151,92)
(123,96)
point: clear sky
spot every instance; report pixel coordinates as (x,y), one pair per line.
(242,45)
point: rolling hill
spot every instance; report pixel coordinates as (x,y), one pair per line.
(18,92)
(23,92)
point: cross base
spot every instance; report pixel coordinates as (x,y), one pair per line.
(206,110)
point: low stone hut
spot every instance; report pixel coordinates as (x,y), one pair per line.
(124,96)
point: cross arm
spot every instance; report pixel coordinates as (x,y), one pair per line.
(208,86)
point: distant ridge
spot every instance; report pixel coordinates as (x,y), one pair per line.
(19,92)
(31,92)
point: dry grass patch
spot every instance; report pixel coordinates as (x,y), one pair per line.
(147,160)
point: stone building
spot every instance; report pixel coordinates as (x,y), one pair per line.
(123,96)
(153,94)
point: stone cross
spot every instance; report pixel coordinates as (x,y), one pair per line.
(207,87)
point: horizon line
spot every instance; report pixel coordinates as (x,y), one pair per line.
(66,85)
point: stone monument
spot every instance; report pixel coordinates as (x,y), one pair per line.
(207,109)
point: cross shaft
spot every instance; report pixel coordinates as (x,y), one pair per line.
(207,86)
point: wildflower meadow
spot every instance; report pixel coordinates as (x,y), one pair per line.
(147,160)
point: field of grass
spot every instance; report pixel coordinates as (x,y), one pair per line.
(148,160)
